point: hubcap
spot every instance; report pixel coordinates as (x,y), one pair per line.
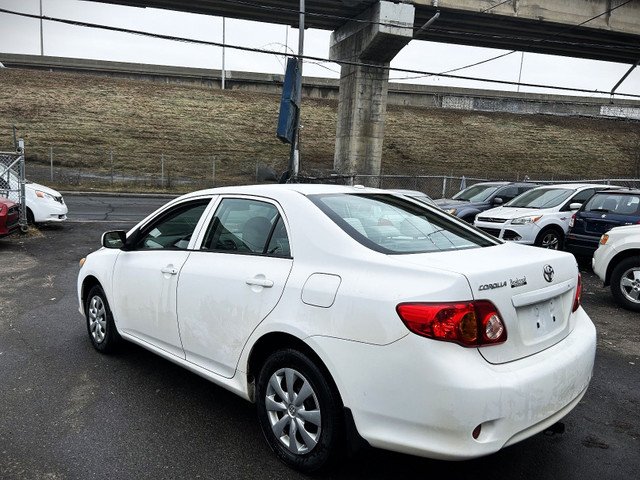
(293,411)
(630,285)
(550,240)
(97,319)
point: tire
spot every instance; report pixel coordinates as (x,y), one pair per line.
(316,419)
(550,238)
(625,283)
(30,218)
(100,325)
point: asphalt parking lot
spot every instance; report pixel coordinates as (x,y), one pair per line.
(68,412)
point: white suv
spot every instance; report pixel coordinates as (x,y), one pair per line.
(617,263)
(539,216)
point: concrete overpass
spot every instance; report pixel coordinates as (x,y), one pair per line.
(367,34)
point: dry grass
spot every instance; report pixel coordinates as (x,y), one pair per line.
(88,116)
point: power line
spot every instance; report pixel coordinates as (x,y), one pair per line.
(304,57)
(502,37)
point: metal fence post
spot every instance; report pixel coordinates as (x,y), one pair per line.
(111,159)
(444,187)
(22,217)
(162,169)
(51,161)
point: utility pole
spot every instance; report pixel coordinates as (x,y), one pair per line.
(223,43)
(41,38)
(296,143)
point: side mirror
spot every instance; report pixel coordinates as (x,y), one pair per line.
(575,206)
(498,201)
(114,239)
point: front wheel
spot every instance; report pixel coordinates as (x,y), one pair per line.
(625,283)
(550,238)
(299,411)
(100,325)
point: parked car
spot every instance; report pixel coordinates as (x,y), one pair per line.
(9,216)
(538,217)
(617,262)
(417,195)
(602,212)
(349,310)
(467,203)
(44,204)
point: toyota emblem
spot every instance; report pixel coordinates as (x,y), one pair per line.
(548,273)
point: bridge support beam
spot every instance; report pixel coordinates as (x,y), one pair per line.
(370,42)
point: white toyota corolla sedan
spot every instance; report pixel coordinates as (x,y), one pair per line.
(348,313)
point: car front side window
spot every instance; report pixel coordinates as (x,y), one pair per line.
(173,229)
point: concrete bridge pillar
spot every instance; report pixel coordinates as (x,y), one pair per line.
(373,40)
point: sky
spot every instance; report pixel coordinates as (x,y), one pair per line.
(22,35)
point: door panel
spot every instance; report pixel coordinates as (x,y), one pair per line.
(145,305)
(146,275)
(228,287)
(222,297)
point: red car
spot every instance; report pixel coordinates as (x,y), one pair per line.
(9,212)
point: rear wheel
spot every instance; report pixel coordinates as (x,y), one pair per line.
(299,411)
(550,238)
(100,325)
(625,283)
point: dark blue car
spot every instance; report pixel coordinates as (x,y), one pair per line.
(603,211)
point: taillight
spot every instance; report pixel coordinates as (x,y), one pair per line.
(572,222)
(576,301)
(468,323)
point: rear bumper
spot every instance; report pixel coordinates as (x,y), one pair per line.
(579,244)
(427,397)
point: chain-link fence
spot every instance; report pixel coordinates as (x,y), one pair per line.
(85,169)
(445,186)
(68,168)
(12,180)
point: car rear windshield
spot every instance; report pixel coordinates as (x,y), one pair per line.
(390,224)
(618,203)
(541,198)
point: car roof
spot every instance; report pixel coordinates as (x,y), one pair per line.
(408,192)
(287,188)
(622,191)
(577,186)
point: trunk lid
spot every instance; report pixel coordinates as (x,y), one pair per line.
(532,288)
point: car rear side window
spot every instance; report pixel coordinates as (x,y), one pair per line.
(247,226)
(390,224)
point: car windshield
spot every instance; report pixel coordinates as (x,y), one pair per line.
(541,198)
(390,224)
(619,203)
(475,193)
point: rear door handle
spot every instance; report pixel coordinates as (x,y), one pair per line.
(169,270)
(261,282)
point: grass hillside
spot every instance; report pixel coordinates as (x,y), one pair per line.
(85,117)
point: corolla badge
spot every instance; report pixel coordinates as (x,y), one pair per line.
(492,286)
(548,273)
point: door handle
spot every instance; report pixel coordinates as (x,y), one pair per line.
(169,270)
(261,282)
